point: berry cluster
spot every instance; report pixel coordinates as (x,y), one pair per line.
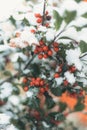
(39,18)
(36,82)
(72,69)
(40,83)
(45,51)
(76,95)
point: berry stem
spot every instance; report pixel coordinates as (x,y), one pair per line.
(44,8)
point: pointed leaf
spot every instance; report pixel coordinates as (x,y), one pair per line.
(83,46)
(69,16)
(85,15)
(58,19)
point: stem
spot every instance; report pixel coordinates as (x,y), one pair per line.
(55,38)
(29,62)
(83,55)
(44,8)
(18,73)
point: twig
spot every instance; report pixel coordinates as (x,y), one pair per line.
(18,73)
(44,8)
(55,38)
(29,62)
(83,55)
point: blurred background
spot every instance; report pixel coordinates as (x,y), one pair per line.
(7,7)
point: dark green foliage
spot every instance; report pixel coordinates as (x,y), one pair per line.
(49,101)
(79,106)
(62,106)
(35,69)
(57,91)
(83,46)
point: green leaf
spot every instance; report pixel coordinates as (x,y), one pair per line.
(25,22)
(65,37)
(69,16)
(58,19)
(83,46)
(49,101)
(79,106)
(62,106)
(35,70)
(13,21)
(7,73)
(34,103)
(56,91)
(84,15)
(57,116)
(78,1)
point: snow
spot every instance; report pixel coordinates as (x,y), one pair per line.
(26,38)
(7,7)
(59,81)
(6,90)
(11,127)
(31,18)
(5,122)
(13,99)
(70,77)
(14,57)
(42,29)
(83,35)
(50,34)
(5,117)
(72,57)
(29,94)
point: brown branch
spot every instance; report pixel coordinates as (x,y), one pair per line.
(44,8)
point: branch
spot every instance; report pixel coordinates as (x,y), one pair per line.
(18,73)
(44,8)
(83,55)
(55,38)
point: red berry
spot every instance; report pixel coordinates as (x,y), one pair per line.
(56,49)
(24,80)
(50,53)
(45,56)
(55,44)
(40,56)
(41,83)
(37,83)
(60,70)
(40,49)
(33,31)
(56,75)
(33,79)
(35,51)
(45,48)
(41,42)
(47,24)
(42,90)
(2,102)
(26,88)
(31,84)
(46,88)
(65,82)
(38,79)
(38,15)
(72,69)
(47,12)
(39,20)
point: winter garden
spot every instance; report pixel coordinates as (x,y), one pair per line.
(43,66)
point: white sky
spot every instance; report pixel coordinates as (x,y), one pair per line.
(7,6)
